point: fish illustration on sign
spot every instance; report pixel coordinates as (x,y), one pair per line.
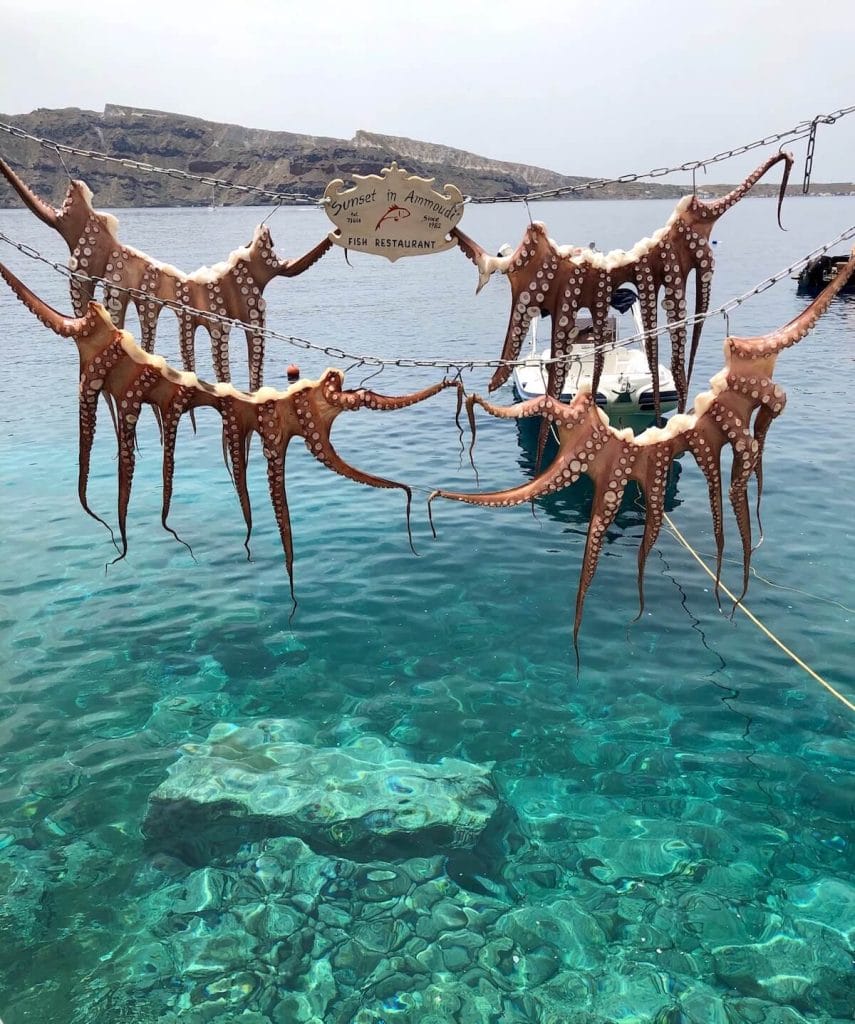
(395,213)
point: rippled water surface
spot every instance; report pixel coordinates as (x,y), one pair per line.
(670,832)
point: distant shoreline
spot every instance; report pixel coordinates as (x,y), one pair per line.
(8,202)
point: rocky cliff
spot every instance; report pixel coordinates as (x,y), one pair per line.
(274,160)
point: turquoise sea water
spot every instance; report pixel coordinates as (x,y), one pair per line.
(673,836)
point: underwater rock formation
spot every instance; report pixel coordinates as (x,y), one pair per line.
(261,780)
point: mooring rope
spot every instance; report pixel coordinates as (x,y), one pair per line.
(763,628)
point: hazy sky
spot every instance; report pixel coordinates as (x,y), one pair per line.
(580,87)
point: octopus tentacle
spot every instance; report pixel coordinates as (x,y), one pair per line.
(468,246)
(713,209)
(315,432)
(610,468)
(744,453)
(568,465)
(772,400)
(518,327)
(255,358)
(652,478)
(486,264)
(564,334)
(762,423)
(92,379)
(65,326)
(291,268)
(703,289)
(186,333)
(705,445)
(148,309)
(116,302)
(738,493)
(351,400)
(128,411)
(279,500)
(771,345)
(599,322)
(527,296)
(545,406)
(646,288)
(274,444)
(565,469)
(170,418)
(674,304)
(44,211)
(390,403)
(236,439)
(220,351)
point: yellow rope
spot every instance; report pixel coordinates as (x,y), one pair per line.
(756,621)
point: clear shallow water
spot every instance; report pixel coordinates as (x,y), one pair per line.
(674,837)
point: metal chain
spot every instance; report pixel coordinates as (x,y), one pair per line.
(799,131)
(811,146)
(59,148)
(447,364)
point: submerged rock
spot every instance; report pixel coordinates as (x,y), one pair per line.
(360,799)
(812,977)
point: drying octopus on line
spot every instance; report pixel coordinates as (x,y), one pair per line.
(587,444)
(547,278)
(232,290)
(112,365)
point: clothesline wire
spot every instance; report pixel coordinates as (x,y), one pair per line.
(448,364)
(799,131)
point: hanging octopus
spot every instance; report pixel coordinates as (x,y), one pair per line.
(232,289)
(561,280)
(112,365)
(611,458)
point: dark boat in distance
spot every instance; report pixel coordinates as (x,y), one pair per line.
(819,271)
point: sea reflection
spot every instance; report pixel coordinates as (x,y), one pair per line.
(572,505)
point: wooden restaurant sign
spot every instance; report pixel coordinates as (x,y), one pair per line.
(392,214)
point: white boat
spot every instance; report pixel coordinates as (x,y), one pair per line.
(626,384)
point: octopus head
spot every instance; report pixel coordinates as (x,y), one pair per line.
(77,209)
(261,257)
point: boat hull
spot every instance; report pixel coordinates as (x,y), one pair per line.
(626,394)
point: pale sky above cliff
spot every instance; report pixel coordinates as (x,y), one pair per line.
(579,87)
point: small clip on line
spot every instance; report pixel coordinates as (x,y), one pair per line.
(370,376)
(275,209)
(528,210)
(64,164)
